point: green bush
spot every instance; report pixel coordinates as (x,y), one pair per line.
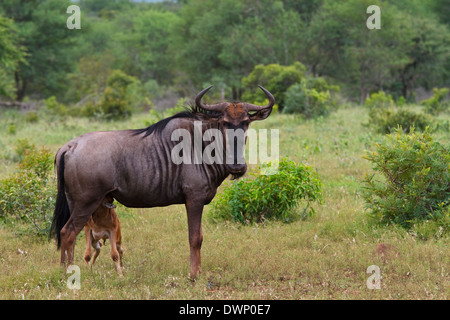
(411,182)
(437,104)
(115,103)
(380,100)
(22,148)
(311,98)
(27,196)
(269,197)
(12,129)
(31,117)
(54,107)
(386,120)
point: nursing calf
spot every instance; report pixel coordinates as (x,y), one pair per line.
(104,224)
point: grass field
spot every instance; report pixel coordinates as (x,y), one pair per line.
(323,257)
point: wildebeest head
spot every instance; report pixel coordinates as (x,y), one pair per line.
(234,121)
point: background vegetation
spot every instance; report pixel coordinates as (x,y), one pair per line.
(173,49)
(364,130)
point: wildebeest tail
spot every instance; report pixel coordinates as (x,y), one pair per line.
(62,213)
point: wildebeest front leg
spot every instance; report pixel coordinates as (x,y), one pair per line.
(194,215)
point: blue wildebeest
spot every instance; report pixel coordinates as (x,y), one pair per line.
(135,167)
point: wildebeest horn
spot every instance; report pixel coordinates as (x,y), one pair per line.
(212,107)
(253,107)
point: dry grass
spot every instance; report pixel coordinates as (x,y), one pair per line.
(324,257)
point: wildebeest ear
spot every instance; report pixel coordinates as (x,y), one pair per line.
(261,114)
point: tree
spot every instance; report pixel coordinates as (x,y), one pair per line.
(225,39)
(115,102)
(276,78)
(428,52)
(105,8)
(409,50)
(339,44)
(11,54)
(145,45)
(41,29)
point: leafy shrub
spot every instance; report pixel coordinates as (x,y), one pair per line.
(311,98)
(31,117)
(379,100)
(27,196)
(437,104)
(115,103)
(401,101)
(12,129)
(54,107)
(415,179)
(22,148)
(38,162)
(269,197)
(386,120)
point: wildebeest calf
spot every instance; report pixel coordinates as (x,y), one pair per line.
(104,224)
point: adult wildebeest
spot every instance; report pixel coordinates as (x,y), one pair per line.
(135,168)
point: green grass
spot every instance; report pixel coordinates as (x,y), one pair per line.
(323,257)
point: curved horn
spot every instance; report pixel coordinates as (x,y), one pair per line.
(253,107)
(213,107)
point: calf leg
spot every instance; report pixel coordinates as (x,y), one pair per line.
(119,242)
(97,246)
(87,252)
(115,256)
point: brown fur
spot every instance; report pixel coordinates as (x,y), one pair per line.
(104,224)
(385,251)
(235,110)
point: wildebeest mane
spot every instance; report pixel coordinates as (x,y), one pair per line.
(192,112)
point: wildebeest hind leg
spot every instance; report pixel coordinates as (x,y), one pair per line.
(79,217)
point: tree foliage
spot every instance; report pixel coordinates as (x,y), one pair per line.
(275,78)
(41,30)
(116,101)
(181,47)
(11,55)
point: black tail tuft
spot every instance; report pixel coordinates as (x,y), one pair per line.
(62,213)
